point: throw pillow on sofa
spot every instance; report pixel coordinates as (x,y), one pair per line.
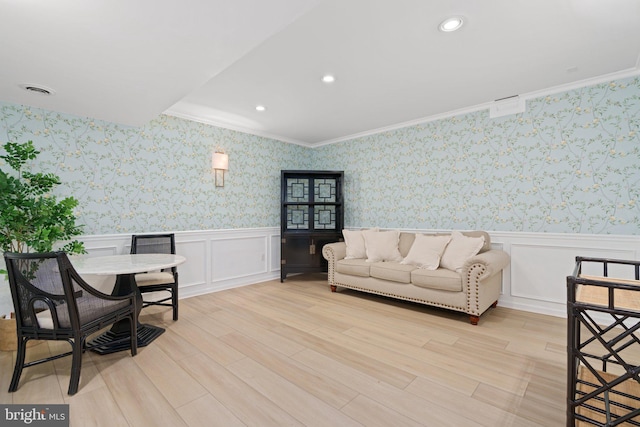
(382,245)
(355,243)
(459,250)
(426,251)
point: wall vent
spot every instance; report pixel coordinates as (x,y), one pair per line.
(39,89)
(505,106)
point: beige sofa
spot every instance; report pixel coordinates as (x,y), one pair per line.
(471,289)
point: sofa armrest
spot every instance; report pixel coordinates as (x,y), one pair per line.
(337,251)
(333,252)
(482,281)
(493,261)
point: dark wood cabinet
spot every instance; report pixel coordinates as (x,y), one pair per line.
(312,215)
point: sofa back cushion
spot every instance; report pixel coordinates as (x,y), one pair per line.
(405,242)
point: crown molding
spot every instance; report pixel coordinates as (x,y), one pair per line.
(401,125)
(631,72)
(221,124)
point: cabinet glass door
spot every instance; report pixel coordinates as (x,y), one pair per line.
(297,190)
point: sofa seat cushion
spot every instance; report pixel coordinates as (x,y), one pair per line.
(354,267)
(441,278)
(392,271)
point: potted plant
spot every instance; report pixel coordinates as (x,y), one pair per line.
(32,219)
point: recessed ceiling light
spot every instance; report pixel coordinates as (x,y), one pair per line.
(451,24)
(39,89)
(261,108)
(328,78)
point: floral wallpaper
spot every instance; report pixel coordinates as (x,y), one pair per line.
(156,177)
(570,163)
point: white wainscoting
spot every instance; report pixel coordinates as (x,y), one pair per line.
(216,259)
(534,281)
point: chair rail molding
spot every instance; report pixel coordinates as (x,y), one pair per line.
(216,259)
(534,281)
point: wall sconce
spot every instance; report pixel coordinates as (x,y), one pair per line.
(220,163)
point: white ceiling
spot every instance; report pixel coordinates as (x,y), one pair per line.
(127,61)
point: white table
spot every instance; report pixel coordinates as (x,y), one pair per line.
(124,264)
(124,267)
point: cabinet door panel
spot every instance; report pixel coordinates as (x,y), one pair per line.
(296,251)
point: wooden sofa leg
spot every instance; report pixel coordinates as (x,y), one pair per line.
(475,319)
(333,288)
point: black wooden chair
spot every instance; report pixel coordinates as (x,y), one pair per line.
(165,280)
(52,302)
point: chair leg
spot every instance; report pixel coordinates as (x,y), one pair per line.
(17,370)
(174,302)
(76,365)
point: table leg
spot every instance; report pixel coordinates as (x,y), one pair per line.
(118,337)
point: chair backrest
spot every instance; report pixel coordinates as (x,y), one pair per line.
(153,244)
(40,282)
(50,298)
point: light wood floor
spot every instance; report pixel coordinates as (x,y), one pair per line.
(275,354)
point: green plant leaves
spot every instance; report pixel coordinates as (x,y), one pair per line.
(31,218)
